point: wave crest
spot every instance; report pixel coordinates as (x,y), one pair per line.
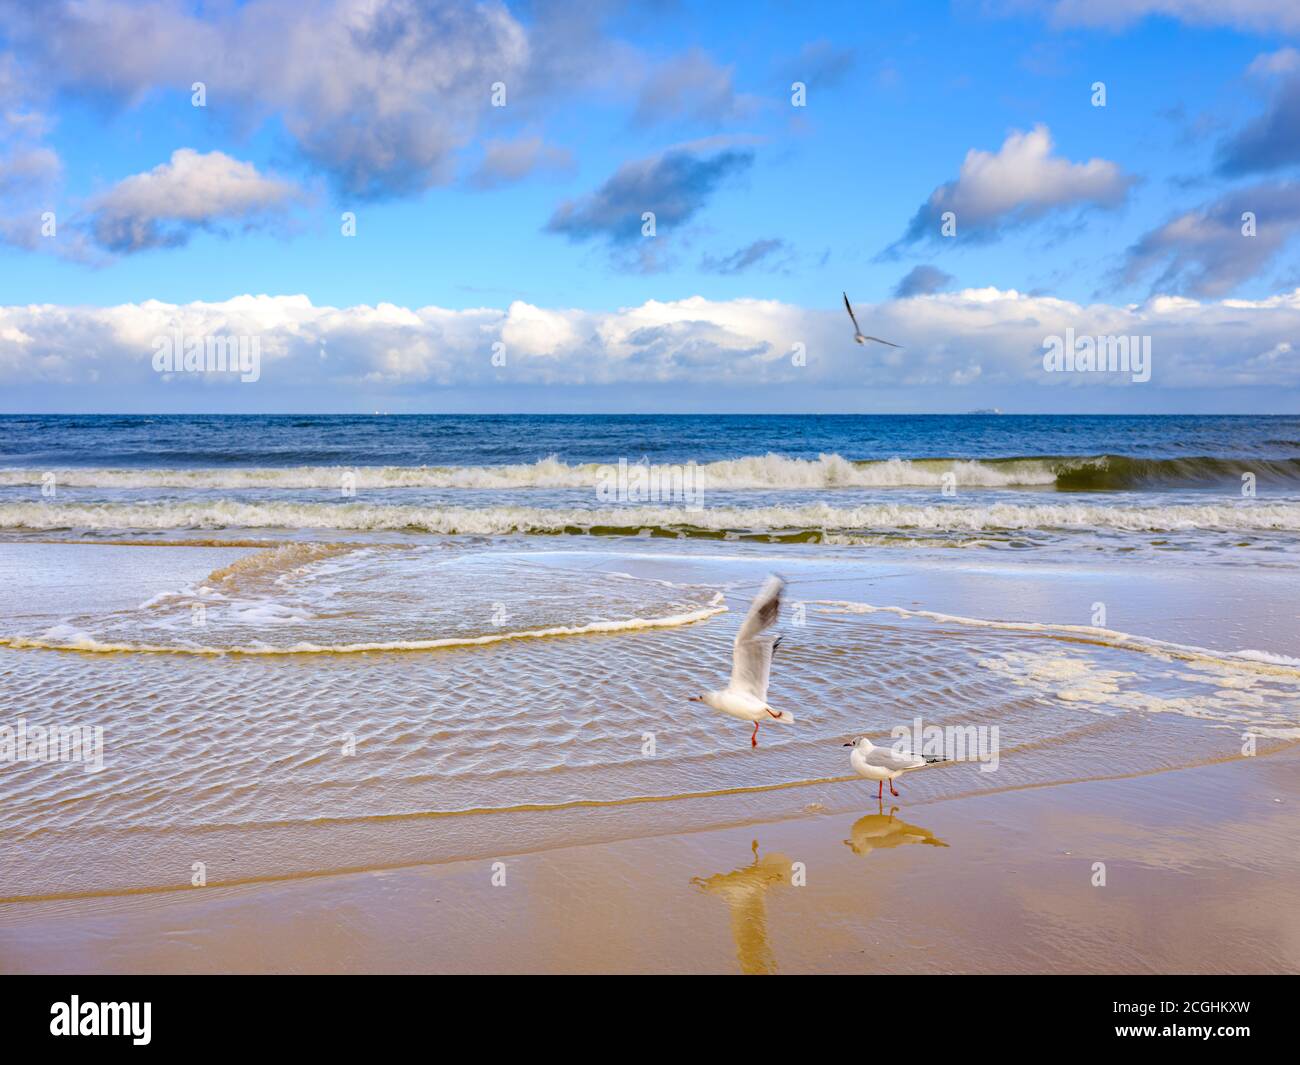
(770,471)
(715,522)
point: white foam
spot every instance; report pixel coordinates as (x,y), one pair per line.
(770,471)
(1257,661)
(497,520)
(67,638)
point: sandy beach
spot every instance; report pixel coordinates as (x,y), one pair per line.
(1202,876)
(487,802)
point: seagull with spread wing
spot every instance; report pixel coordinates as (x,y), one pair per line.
(857,332)
(746,696)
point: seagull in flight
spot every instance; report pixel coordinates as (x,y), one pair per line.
(857,331)
(884,763)
(751,662)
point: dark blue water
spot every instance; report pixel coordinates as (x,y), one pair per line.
(1116,483)
(199,441)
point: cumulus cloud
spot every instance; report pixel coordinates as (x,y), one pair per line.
(192,191)
(380,94)
(771,253)
(921,281)
(975,338)
(1207,251)
(1021,182)
(674,185)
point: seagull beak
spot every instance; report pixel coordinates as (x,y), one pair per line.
(846,745)
(694,699)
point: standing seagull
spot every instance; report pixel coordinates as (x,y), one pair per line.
(883,763)
(751,661)
(857,332)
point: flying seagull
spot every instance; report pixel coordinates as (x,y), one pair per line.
(751,661)
(857,331)
(883,763)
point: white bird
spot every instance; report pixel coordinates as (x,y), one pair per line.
(884,763)
(746,696)
(857,332)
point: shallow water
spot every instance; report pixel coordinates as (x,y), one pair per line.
(297,752)
(293,680)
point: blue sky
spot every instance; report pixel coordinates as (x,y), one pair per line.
(318,108)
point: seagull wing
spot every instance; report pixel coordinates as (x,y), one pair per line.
(879,341)
(896,761)
(751,660)
(848,307)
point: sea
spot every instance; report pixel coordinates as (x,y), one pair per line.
(320,644)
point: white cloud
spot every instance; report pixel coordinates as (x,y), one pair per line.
(989,339)
(1018,183)
(161,208)
(379,94)
(1208,251)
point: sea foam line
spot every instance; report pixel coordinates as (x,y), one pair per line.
(504,520)
(1255,661)
(771,471)
(86,643)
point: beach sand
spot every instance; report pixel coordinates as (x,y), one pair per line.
(522,760)
(1202,875)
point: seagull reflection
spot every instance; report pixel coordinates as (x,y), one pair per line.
(744,891)
(880,830)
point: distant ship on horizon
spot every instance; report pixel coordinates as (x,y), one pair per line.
(985,410)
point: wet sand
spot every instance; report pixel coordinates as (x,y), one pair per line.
(223,748)
(1202,875)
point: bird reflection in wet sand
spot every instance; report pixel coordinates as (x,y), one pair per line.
(744,891)
(880,830)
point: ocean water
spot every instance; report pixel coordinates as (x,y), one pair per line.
(326,643)
(1224,484)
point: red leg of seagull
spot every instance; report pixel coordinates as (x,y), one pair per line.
(880,791)
(891,789)
(753,739)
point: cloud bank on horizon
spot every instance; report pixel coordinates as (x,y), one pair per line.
(692,348)
(426,205)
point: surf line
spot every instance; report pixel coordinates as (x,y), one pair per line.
(92,646)
(1082,634)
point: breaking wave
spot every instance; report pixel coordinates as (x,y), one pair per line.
(807,522)
(770,472)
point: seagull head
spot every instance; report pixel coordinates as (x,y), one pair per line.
(854,742)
